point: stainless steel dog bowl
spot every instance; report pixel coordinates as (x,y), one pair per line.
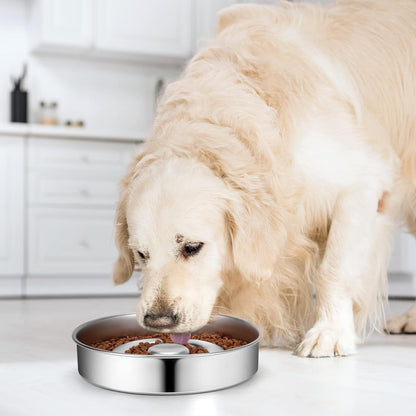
(168,370)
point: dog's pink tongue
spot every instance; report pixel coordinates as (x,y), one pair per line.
(180,338)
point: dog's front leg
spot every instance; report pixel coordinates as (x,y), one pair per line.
(346,261)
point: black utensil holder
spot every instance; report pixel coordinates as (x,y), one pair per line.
(19,106)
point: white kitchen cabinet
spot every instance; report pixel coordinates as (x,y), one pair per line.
(160,30)
(61,26)
(146,28)
(157,30)
(11,205)
(11,215)
(72,191)
(402,267)
(70,241)
(57,209)
(403,258)
(72,194)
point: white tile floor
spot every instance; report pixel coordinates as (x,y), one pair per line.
(38,375)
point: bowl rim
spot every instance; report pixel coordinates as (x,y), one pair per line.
(181,356)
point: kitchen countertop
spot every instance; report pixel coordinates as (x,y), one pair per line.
(37,130)
(38,374)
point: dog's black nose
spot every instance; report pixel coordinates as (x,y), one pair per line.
(168,320)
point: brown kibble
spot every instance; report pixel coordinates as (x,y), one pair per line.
(223,341)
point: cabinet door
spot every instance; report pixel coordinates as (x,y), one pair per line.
(11,206)
(403,259)
(70,241)
(402,267)
(152,28)
(60,25)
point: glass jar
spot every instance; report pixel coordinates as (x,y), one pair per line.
(48,113)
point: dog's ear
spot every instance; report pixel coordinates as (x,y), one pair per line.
(123,267)
(253,241)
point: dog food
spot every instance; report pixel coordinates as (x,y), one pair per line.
(222,340)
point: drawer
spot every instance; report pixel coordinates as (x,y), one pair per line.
(79,154)
(73,187)
(70,241)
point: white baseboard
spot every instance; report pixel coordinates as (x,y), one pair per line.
(11,286)
(78,286)
(400,284)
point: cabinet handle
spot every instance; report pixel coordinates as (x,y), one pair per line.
(85,192)
(84,243)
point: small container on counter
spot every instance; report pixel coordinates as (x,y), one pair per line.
(75,123)
(48,113)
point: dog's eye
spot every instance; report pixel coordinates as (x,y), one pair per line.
(190,249)
(142,255)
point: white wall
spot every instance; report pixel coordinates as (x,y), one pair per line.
(104,94)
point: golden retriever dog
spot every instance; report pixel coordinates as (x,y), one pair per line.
(279,163)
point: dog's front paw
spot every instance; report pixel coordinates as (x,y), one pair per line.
(326,342)
(403,324)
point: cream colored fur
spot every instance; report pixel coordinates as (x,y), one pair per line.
(288,147)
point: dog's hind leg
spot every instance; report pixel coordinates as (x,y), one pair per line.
(405,323)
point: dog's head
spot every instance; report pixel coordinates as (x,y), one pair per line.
(183,226)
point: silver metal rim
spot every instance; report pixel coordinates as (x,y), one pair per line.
(140,356)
